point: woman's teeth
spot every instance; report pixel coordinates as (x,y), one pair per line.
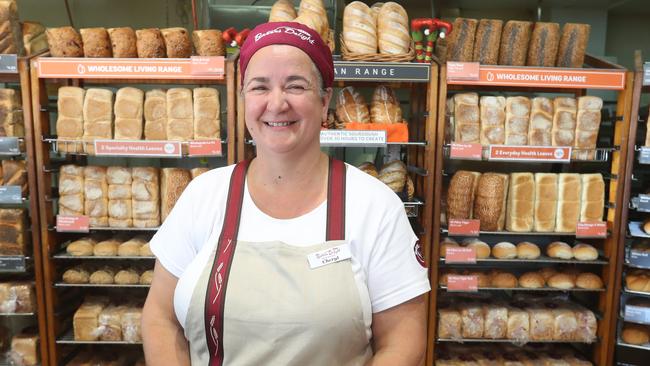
(279,124)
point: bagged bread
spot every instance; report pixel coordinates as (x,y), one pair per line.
(587,127)
(488,38)
(359,28)
(544,43)
(69,123)
(96,42)
(517,118)
(282,11)
(573,45)
(131,325)
(155,115)
(207,114)
(150,43)
(393,35)
(514,43)
(461,193)
(351,106)
(180,115)
(564,121)
(97,117)
(123,42)
(145,200)
(490,201)
(493,117)
(177,42)
(129,105)
(540,127)
(385,106)
(208,42)
(64,42)
(466,118)
(460,43)
(173,183)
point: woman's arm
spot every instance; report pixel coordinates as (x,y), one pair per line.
(400,334)
(164,341)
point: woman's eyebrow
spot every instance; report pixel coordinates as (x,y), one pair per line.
(259,79)
(297,78)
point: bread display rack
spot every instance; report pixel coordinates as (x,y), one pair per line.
(633,330)
(59,232)
(27,266)
(464,274)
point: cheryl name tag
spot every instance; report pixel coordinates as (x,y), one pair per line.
(328,256)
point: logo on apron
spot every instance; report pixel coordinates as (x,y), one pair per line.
(419,256)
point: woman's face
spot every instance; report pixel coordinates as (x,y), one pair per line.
(283,104)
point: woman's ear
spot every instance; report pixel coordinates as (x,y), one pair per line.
(327,97)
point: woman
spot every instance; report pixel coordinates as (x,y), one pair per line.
(293,258)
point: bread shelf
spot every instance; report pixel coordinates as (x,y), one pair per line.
(123,229)
(541,260)
(635,293)
(644,347)
(64,255)
(16,314)
(94,285)
(68,338)
(510,233)
(543,289)
(484,340)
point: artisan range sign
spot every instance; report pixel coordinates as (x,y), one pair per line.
(381,71)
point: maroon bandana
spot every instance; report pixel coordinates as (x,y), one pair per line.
(293,34)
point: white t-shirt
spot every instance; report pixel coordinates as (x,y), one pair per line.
(384,262)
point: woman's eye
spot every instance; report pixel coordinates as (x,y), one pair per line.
(258,88)
(296,87)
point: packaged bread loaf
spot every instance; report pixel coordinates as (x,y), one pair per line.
(587,324)
(472,320)
(514,43)
(573,45)
(180,115)
(564,121)
(282,11)
(517,118)
(518,324)
(460,196)
(129,106)
(496,321)
(587,127)
(123,42)
(546,195)
(359,28)
(96,195)
(208,42)
(493,118)
(540,127)
(393,36)
(460,43)
(488,39)
(97,117)
(34,38)
(466,118)
(12,231)
(520,207)
(11,115)
(544,43)
(541,322)
(11,40)
(131,328)
(69,123)
(110,323)
(14,173)
(490,201)
(71,190)
(177,42)
(449,323)
(568,205)
(351,106)
(592,201)
(207,114)
(25,349)
(64,42)
(145,200)
(172,185)
(385,107)
(150,43)
(96,42)
(155,115)
(86,321)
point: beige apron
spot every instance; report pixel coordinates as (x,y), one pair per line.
(276,309)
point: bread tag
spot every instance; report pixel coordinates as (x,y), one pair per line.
(328,256)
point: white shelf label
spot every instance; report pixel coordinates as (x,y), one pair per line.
(353,138)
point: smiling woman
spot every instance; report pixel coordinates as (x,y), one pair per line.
(292,258)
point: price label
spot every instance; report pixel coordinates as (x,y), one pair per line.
(8,64)
(646,73)
(72,224)
(460,255)
(644,203)
(11,195)
(644,155)
(460,283)
(553,154)
(12,264)
(353,138)
(464,227)
(205,148)
(207,65)
(467,151)
(591,230)
(463,70)
(9,146)
(138,148)
(639,259)
(637,314)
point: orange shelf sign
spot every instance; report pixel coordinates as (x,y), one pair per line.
(470,151)
(74,224)
(545,77)
(462,283)
(205,148)
(170,149)
(131,68)
(460,255)
(458,227)
(591,230)
(556,154)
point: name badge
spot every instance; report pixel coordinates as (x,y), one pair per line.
(328,256)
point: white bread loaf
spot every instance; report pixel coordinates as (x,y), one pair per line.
(493,118)
(466,117)
(129,106)
(517,117)
(393,29)
(564,121)
(587,126)
(180,114)
(359,28)
(69,124)
(97,116)
(520,207)
(207,114)
(546,192)
(568,203)
(540,127)
(282,11)
(592,201)
(155,115)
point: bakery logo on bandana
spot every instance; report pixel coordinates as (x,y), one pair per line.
(417,249)
(287,30)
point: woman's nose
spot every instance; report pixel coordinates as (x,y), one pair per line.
(277,101)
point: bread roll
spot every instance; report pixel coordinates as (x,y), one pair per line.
(359,28)
(106,248)
(180,115)
(521,205)
(369,168)
(573,44)
(490,202)
(636,334)
(531,280)
(146,277)
(155,115)
(540,127)
(461,193)
(488,38)
(394,175)
(207,114)
(558,249)
(177,42)
(527,250)
(76,275)
(514,43)
(589,281)
(145,250)
(96,42)
(447,243)
(64,42)
(127,277)
(351,106)
(546,191)
(544,43)
(173,183)
(81,247)
(493,118)
(129,106)
(385,107)
(103,276)
(483,279)
(481,248)
(123,42)
(564,121)
(209,42)
(561,281)
(466,117)
(150,43)
(393,36)
(282,11)
(585,252)
(504,250)
(460,43)
(517,118)
(503,280)
(587,127)
(568,206)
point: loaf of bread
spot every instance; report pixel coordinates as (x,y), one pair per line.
(146,277)
(103,276)
(97,117)
(542,323)
(359,28)
(351,106)
(592,201)
(518,324)
(461,193)
(587,127)
(587,324)
(76,275)
(155,115)
(96,195)
(25,349)
(514,43)
(195,172)
(69,123)
(472,320)
(528,250)
(86,322)
(385,107)
(517,118)
(14,173)
(544,43)
(145,201)
(496,321)
(490,201)
(393,36)
(449,323)
(282,11)
(573,45)
(394,175)
(177,42)
(636,334)
(71,190)
(313,11)
(150,43)
(208,42)
(110,323)
(466,117)
(172,185)
(460,43)
(488,39)
(564,121)
(131,248)
(565,324)
(207,114)
(129,106)
(64,42)
(11,115)
(493,118)
(521,197)
(34,38)
(504,250)
(568,205)
(12,231)
(11,39)
(127,277)
(131,328)
(180,116)
(638,281)
(96,42)
(123,42)
(546,196)
(540,128)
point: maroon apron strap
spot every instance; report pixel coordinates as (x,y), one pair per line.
(336,201)
(217,284)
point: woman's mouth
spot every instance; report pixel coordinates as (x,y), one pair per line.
(280,124)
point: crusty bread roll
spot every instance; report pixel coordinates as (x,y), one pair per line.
(547,272)
(561,281)
(531,280)
(351,106)
(150,43)
(81,247)
(589,281)
(103,276)
(123,42)
(282,11)
(77,275)
(64,42)
(127,277)
(208,42)
(636,334)
(96,42)
(584,252)
(359,28)
(503,280)
(460,195)
(369,168)
(447,243)
(527,250)
(490,201)
(131,248)
(177,42)
(482,277)
(385,107)
(146,277)
(394,175)
(504,250)
(481,248)
(558,249)
(646,226)
(393,35)
(521,205)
